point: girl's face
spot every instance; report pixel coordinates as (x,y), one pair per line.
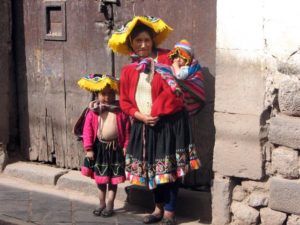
(180,61)
(142,44)
(107,95)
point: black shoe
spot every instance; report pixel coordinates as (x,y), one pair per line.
(97,212)
(152,218)
(107,212)
(166,221)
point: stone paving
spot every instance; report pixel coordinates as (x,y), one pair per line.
(40,204)
(26,203)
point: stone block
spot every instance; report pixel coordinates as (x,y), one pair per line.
(221,200)
(284,130)
(289,97)
(285,195)
(237,150)
(238,193)
(293,220)
(250,186)
(258,199)
(244,213)
(285,162)
(240,84)
(35,173)
(271,217)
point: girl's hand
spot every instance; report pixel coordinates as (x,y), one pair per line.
(124,151)
(90,155)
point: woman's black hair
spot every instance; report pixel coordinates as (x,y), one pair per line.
(139,28)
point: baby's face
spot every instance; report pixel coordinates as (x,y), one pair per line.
(180,61)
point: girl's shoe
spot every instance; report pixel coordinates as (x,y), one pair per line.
(98,212)
(107,212)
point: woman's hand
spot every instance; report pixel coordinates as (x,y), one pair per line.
(146,119)
(90,154)
(150,120)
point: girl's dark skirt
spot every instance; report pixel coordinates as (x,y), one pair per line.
(108,166)
(160,154)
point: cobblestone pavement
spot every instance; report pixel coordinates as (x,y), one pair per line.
(25,203)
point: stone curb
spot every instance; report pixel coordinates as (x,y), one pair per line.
(7,220)
(36,173)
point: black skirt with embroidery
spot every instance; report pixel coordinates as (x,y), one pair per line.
(160,154)
(109,164)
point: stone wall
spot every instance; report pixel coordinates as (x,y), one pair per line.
(256,158)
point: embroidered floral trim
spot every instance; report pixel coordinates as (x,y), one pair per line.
(164,170)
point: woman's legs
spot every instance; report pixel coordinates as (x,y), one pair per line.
(157,214)
(171,192)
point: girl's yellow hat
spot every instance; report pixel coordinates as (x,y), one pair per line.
(97,82)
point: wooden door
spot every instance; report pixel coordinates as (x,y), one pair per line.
(49,67)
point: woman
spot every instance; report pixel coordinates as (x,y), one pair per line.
(159,149)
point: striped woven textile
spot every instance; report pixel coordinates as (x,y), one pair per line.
(192,87)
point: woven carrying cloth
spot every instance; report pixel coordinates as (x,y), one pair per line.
(118,41)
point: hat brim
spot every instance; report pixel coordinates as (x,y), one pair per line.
(98,84)
(118,41)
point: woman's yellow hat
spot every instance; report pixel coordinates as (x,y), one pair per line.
(118,41)
(97,82)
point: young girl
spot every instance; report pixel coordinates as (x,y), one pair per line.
(105,138)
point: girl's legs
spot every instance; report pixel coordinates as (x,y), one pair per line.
(108,211)
(112,191)
(102,195)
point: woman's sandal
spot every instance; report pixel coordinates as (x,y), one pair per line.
(98,212)
(107,212)
(166,221)
(152,218)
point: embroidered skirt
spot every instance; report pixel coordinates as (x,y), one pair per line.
(109,163)
(160,154)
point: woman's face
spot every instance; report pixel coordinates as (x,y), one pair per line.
(142,44)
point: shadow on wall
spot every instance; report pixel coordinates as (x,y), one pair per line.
(204,137)
(20,81)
